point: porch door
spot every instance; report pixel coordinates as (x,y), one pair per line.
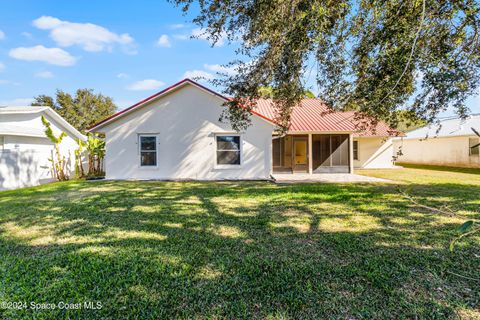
(300,154)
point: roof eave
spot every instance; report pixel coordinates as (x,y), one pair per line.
(65,124)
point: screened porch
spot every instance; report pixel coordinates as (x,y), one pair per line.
(311,153)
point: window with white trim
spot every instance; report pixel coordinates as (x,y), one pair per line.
(148,150)
(355,150)
(228,149)
(474,144)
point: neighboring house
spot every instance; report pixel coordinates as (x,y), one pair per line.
(446,144)
(25,149)
(176,134)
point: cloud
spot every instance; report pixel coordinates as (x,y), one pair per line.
(201,33)
(2,35)
(55,56)
(90,37)
(176,26)
(122,75)
(47,22)
(221,69)
(122,104)
(27,35)
(19,102)
(9,82)
(164,41)
(144,85)
(2,67)
(181,36)
(196,74)
(44,75)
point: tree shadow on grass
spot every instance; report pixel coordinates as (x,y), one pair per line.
(236,250)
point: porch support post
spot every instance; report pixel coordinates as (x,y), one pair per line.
(350,151)
(310,158)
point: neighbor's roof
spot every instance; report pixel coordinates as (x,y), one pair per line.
(10,129)
(450,127)
(7,129)
(313,115)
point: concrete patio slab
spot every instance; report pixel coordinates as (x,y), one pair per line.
(324,177)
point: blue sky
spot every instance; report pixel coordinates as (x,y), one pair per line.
(131,51)
(126,50)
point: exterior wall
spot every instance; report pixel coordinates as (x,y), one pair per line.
(185,122)
(446,151)
(374,153)
(24,160)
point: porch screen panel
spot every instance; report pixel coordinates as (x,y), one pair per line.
(316,153)
(287,159)
(277,152)
(339,150)
(330,151)
(320,150)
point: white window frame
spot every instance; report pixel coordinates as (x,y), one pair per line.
(147,135)
(353,150)
(228,166)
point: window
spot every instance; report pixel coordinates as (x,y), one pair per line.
(474,146)
(228,150)
(355,150)
(148,151)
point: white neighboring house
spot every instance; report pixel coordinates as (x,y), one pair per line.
(176,134)
(450,146)
(25,149)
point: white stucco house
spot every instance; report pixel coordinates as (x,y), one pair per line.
(176,134)
(448,143)
(25,149)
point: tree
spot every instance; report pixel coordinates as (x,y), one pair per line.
(96,153)
(267,93)
(94,149)
(376,57)
(58,161)
(408,121)
(79,152)
(81,111)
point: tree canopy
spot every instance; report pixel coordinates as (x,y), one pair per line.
(267,93)
(376,57)
(81,111)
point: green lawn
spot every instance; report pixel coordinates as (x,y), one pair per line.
(244,249)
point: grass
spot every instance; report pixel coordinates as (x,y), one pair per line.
(243,249)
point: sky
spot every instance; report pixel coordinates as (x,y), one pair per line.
(127,50)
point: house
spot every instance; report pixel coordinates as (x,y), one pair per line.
(176,134)
(448,143)
(25,149)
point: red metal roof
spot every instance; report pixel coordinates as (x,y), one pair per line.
(313,115)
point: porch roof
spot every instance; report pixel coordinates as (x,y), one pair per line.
(313,115)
